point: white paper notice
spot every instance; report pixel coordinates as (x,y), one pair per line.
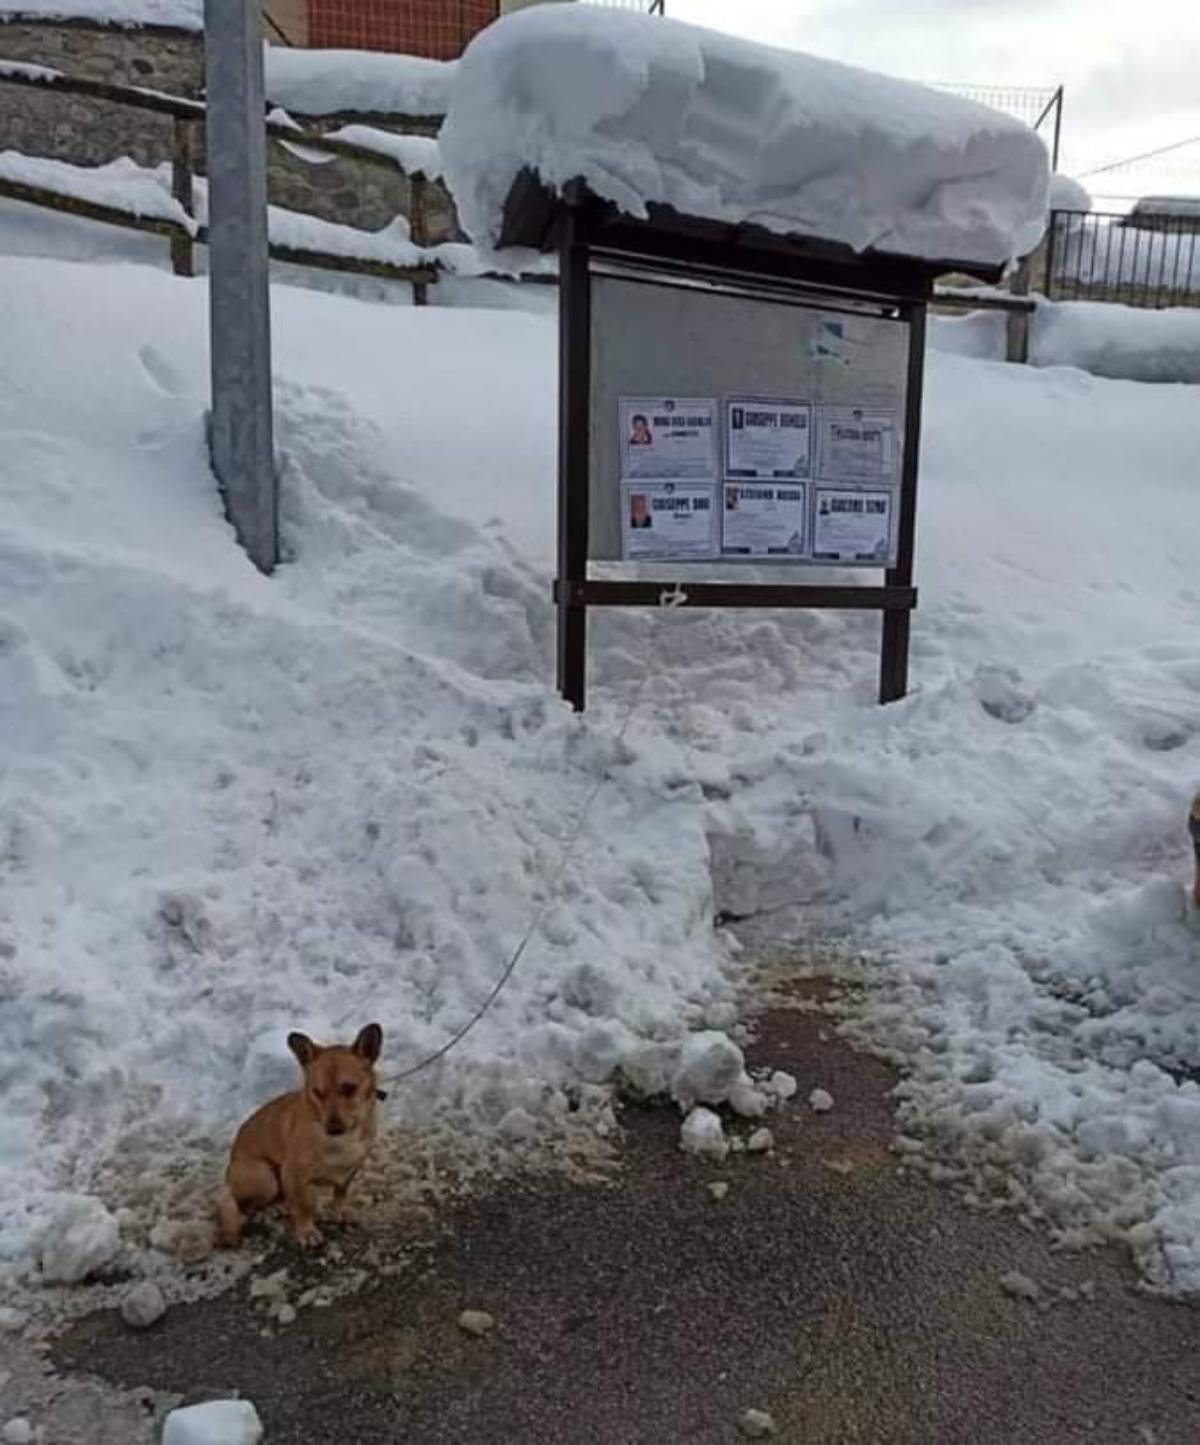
(763,520)
(852,526)
(767,437)
(856,443)
(668,519)
(667,437)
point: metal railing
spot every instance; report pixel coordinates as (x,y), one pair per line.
(644,7)
(1105,256)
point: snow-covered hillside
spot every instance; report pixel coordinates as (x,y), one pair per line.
(232,806)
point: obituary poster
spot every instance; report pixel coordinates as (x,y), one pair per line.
(668,438)
(857,444)
(668,520)
(852,526)
(764,520)
(767,437)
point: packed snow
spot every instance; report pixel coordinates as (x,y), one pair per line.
(233,806)
(175,14)
(649,110)
(1125,343)
(122,184)
(367,82)
(415,154)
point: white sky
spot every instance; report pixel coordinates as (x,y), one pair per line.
(1131,68)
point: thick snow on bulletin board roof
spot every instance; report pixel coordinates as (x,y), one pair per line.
(649,110)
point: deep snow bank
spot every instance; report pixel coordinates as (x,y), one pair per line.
(1123,343)
(231,806)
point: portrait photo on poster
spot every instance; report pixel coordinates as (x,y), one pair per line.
(667,438)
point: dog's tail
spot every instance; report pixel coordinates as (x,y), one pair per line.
(1194,830)
(230,1219)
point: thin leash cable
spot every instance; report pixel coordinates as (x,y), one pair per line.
(674,598)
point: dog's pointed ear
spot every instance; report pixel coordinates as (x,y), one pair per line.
(303,1047)
(369,1043)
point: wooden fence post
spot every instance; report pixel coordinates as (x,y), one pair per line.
(1018,321)
(417,231)
(182,255)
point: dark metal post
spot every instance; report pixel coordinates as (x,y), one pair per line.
(1050,237)
(1058,110)
(181,189)
(241,424)
(574,403)
(893,667)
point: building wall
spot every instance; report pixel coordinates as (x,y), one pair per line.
(91,132)
(437,29)
(290,17)
(87,132)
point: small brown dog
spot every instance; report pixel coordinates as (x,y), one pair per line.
(316,1137)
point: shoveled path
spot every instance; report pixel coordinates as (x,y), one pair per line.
(853,1300)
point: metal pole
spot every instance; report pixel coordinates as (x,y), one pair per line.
(240,423)
(893,664)
(574,401)
(1058,110)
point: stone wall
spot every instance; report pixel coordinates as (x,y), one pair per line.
(91,132)
(88,132)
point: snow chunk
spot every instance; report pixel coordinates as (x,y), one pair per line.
(476,1322)
(323,82)
(762,1141)
(710,1066)
(18,1431)
(1020,1286)
(143,1305)
(756,1425)
(782,1085)
(648,110)
(820,1101)
(216,1422)
(702,1134)
(746,1100)
(80,1238)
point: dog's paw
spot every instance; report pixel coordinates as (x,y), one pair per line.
(308,1236)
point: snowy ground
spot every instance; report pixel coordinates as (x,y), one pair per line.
(1126,343)
(233,806)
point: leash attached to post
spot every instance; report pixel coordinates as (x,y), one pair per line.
(539,912)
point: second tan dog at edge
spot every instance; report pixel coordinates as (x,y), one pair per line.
(315,1138)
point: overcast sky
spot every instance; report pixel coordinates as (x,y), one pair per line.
(1131,68)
